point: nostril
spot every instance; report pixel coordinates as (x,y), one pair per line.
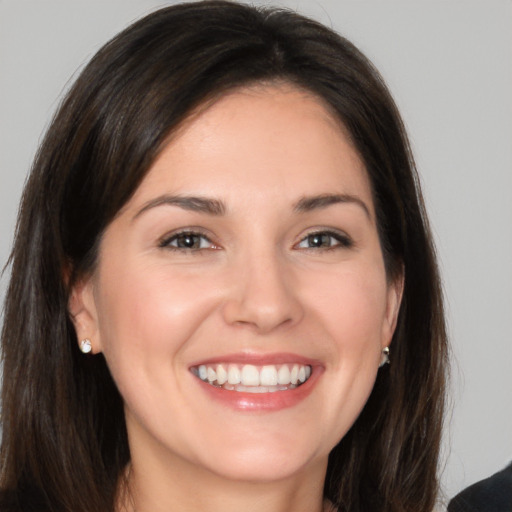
(262,295)
(262,315)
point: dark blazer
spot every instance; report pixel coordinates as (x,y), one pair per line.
(494,494)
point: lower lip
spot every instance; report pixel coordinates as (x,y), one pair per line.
(274,401)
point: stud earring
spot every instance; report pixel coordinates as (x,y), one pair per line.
(384,358)
(86,346)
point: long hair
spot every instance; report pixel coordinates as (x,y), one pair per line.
(64,445)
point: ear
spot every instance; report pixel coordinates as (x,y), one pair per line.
(83,313)
(394,299)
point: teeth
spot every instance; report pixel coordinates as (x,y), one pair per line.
(283,375)
(211,375)
(252,389)
(233,374)
(250,375)
(268,376)
(222,375)
(257,389)
(294,374)
(254,379)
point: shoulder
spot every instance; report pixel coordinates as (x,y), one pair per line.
(494,494)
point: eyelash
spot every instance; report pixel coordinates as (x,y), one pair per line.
(342,241)
(165,243)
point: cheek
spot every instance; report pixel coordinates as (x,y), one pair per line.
(351,312)
(351,304)
(148,313)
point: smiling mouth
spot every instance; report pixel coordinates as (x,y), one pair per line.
(250,378)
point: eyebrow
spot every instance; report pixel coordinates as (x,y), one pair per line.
(218,208)
(191,203)
(309,203)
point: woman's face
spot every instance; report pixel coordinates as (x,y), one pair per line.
(247,261)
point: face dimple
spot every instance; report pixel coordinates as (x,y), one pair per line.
(251,247)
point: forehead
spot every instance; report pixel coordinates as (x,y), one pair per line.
(273,139)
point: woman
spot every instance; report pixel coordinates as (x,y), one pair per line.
(221,241)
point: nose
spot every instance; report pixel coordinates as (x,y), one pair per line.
(263,294)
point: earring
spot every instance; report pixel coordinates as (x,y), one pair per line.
(86,346)
(384,358)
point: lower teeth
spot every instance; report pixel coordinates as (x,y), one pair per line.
(254,389)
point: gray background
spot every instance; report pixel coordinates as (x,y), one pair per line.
(449,65)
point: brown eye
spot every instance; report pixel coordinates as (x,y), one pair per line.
(187,241)
(320,240)
(324,240)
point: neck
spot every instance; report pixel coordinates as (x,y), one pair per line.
(247,477)
(191,489)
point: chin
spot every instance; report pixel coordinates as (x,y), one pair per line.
(266,458)
(262,467)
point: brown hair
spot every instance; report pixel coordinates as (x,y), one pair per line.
(64,442)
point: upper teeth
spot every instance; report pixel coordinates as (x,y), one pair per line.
(250,375)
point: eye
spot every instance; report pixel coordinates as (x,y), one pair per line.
(325,240)
(187,241)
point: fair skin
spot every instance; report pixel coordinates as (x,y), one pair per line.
(251,243)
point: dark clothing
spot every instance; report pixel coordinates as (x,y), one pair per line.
(494,494)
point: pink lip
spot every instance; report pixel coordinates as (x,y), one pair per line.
(274,401)
(259,359)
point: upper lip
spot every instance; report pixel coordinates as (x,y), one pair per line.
(258,359)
